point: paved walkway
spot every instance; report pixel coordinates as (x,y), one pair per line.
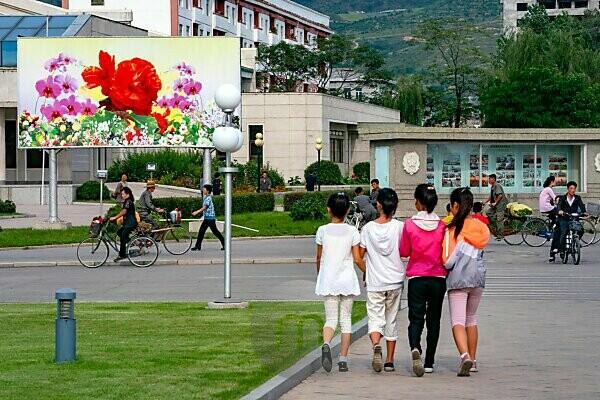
(539,337)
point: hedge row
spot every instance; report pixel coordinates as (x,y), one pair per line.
(290,198)
(241,202)
(7,207)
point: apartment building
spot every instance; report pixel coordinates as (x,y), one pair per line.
(515,10)
(253,21)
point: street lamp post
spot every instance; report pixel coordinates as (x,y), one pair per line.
(228,139)
(319,147)
(258,142)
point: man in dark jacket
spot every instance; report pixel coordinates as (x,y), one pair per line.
(568,204)
(374,191)
(364,205)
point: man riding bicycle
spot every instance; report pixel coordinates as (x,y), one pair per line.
(568,204)
(498,203)
(145,205)
(364,205)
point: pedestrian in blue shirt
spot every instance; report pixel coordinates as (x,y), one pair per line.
(210,220)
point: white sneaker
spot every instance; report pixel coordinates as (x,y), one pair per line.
(429,370)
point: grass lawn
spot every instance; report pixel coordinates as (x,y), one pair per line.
(155,350)
(267,223)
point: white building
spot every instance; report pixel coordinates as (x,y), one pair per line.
(515,10)
(254,21)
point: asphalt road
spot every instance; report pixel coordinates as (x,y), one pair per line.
(516,273)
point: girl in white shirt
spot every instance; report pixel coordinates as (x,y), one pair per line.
(337,252)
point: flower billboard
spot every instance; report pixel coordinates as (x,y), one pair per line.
(119,92)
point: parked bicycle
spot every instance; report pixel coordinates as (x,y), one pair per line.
(354,217)
(175,236)
(537,231)
(92,252)
(593,210)
(572,240)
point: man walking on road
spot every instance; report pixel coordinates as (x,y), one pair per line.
(146,206)
(498,203)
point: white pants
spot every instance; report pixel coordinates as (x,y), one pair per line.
(382,310)
(339,308)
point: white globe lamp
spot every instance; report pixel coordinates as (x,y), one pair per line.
(226,139)
(228,97)
(240,141)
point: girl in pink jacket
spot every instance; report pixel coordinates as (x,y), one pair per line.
(421,242)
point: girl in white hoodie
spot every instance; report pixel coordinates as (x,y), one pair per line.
(385,277)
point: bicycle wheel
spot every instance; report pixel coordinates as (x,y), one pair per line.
(535,232)
(576,251)
(596,223)
(142,251)
(589,233)
(92,252)
(178,240)
(513,232)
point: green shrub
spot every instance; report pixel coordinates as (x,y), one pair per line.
(290,198)
(247,177)
(328,173)
(7,207)
(172,167)
(90,190)
(241,202)
(310,207)
(294,181)
(362,171)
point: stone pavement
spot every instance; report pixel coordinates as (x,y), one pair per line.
(79,214)
(539,339)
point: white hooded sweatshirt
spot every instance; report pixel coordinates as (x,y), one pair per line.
(385,269)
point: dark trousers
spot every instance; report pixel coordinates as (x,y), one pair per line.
(212,224)
(124,233)
(425,299)
(560,235)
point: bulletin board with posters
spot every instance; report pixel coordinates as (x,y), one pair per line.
(122,92)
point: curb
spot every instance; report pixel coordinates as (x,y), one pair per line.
(158,263)
(286,380)
(235,239)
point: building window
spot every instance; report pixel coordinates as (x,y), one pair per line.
(336,146)
(522,6)
(549,4)
(180,31)
(34,159)
(581,4)
(564,4)
(188,30)
(97,2)
(519,168)
(10,147)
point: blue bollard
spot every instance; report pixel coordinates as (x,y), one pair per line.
(65,326)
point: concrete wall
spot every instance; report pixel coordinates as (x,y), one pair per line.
(98,26)
(293,121)
(30,194)
(402,139)
(8,87)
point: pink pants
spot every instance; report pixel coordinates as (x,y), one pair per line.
(463,305)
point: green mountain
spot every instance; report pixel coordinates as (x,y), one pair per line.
(388,25)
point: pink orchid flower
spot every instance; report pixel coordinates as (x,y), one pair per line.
(48,88)
(164,102)
(67,83)
(53,111)
(88,107)
(185,69)
(73,106)
(176,101)
(192,88)
(180,84)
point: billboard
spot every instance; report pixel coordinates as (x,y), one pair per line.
(122,92)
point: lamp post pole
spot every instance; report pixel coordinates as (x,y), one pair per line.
(258,142)
(319,147)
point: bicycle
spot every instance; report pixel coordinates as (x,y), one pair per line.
(174,236)
(593,210)
(354,217)
(513,227)
(572,242)
(92,252)
(538,231)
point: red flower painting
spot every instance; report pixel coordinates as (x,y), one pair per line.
(133,85)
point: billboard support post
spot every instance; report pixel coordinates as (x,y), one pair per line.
(52,188)
(206,167)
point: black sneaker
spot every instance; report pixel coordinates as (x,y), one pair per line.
(195,249)
(326,357)
(343,366)
(118,259)
(389,367)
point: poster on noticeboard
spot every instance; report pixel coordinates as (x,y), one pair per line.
(122,92)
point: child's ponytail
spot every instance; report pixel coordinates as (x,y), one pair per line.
(464,198)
